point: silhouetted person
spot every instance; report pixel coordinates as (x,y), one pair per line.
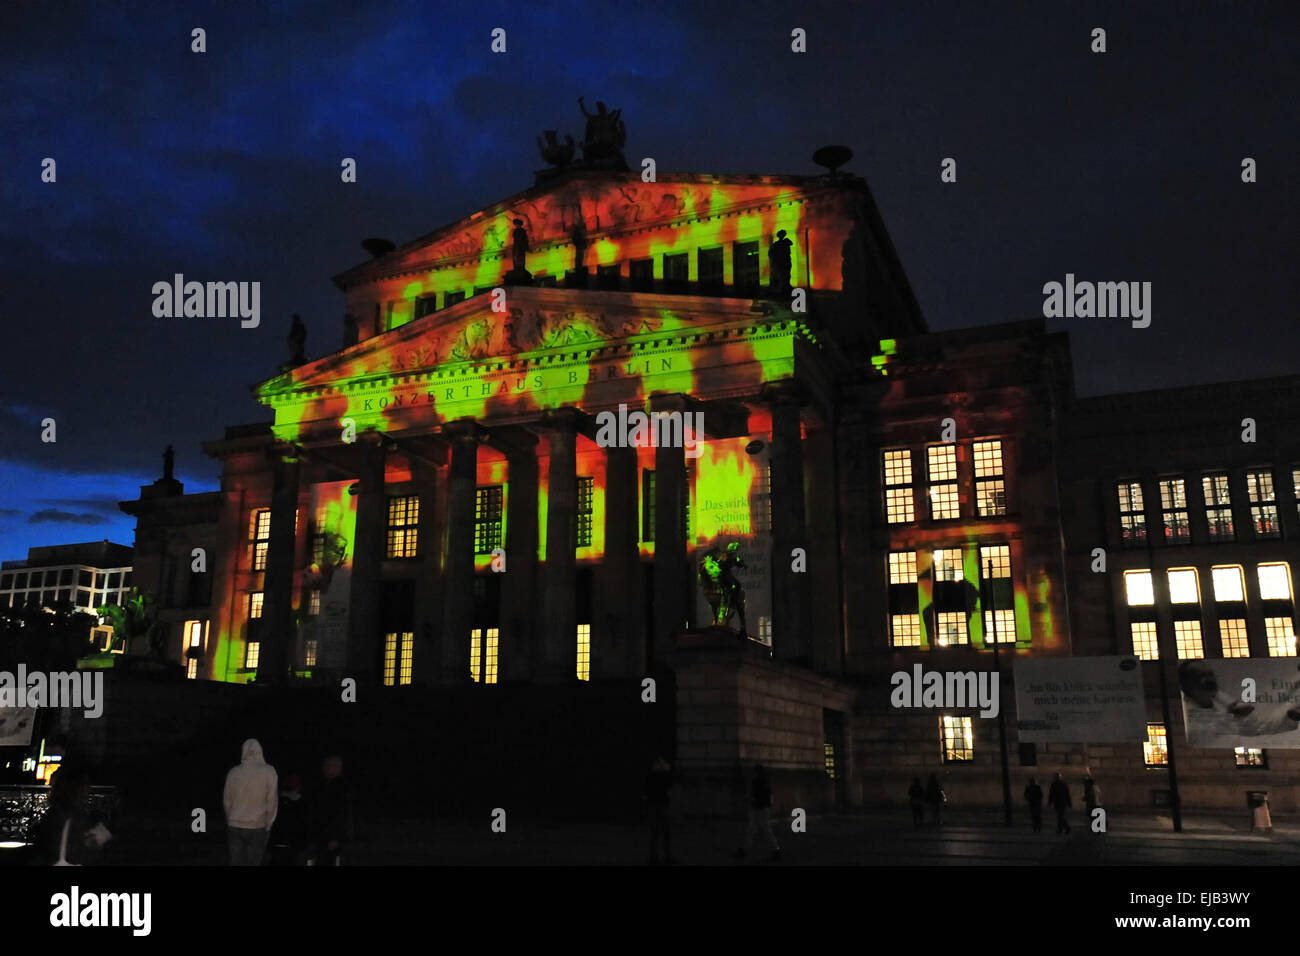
(251,800)
(519,253)
(1091,797)
(779,260)
(290,835)
(1059,798)
(916,797)
(658,783)
(936,798)
(760,815)
(331,810)
(67,831)
(1034,797)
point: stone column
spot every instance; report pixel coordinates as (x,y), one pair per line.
(823,562)
(428,598)
(364,646)
(458,573)
(790,605)
(519,620)
(557,658)
(281,633)
(671,584)
(619,599)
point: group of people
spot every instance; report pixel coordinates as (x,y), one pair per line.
(932,796)
(758,828)
(299,829)
(1058,798)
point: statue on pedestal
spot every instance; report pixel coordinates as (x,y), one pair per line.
(722,588)
(779,258)
(602,146)
(297,342)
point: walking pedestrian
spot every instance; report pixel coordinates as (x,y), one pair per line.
(760,816)
(251,802)
(1091,797)
(1059,798)
(658,783)
(1034,797)
(331,814)
(916,797)
(936,798)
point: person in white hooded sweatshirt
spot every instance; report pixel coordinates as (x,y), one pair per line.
(251,799)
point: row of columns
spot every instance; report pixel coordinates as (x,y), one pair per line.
(537,633)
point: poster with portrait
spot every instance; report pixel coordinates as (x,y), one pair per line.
(1241,702)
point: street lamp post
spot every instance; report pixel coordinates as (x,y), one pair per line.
(1002,720)
(1162,647)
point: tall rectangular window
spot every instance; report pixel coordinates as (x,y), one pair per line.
(1228,583)
(1146,645)
(1182,586)
(941,468)
(1274,581)
(947,564)
(902,567)
(252,654)
(677,271)
(641,275)
(995,574)
(586,496)
(1295,486)
(483,654)
(952,628)
(487,518)
(310,648)
(426,305)
(1188,636)
(193,635)
(1263,504)
(647,504)
(399,651)
(318,537)
(745,269)
(1156,749)
(260,537)
(904,620)
(313,602)
(990,483)
(1173,509)
(905,630)
(1218,507)
(1137,588)
(899,507)
(1281,636)
(403,526)
(709,266)
(584,652)
(255,599)
(1132,516)
(958,738)
(192,668)
(609,278)
(453,298)
(1232,634)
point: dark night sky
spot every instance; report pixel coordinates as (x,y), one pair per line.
(225,166)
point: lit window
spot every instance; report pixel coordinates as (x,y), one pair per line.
(765,631)
(1274,582)
(829,751)
(1188,636)
(899,504)
(309,652)
(483,654)
(1173,509)
(1145,644)
(1218,507)
(192,668)
(313,602)
(1232,631)
(1182,587)
(487,518)
(261,538)
(905,630)
(958,739)
(1295,485)
(586,495)
(947,564)
(1281,636)
(902,567)
(999,627)
(1000,557)
(193,634)
(990,486)
(584,652)
(318,537)
(399,648)
(1132,517)
(1251,757)
(952,628)
(1228,583)
(1156,749)
(403,526)
(1263,504)
(941,464)
(1137,586)
(252,653)
(255,605)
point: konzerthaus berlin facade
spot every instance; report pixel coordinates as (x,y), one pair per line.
(432,504)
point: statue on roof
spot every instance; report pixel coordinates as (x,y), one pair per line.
(297,342)
(553,151)
(602,146)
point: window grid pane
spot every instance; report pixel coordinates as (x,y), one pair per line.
(584,652)
(1250,757)
(899,504)
(1000,556)
(487,519)
(1005,632)
(403,526)
(252,653)
(1188,636)
(941,468)
(586,496)
(1145,643)
(1173,509)
(947,565)
(1232,634)
(1156,748)
(1281,636)
(952,628)
(905,630)
(902,567)
(958,739)
(1218,507)
(1132,517)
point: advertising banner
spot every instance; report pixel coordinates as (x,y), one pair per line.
(1091,700)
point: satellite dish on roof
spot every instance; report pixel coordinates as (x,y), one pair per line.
(378,247)
(832,157)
